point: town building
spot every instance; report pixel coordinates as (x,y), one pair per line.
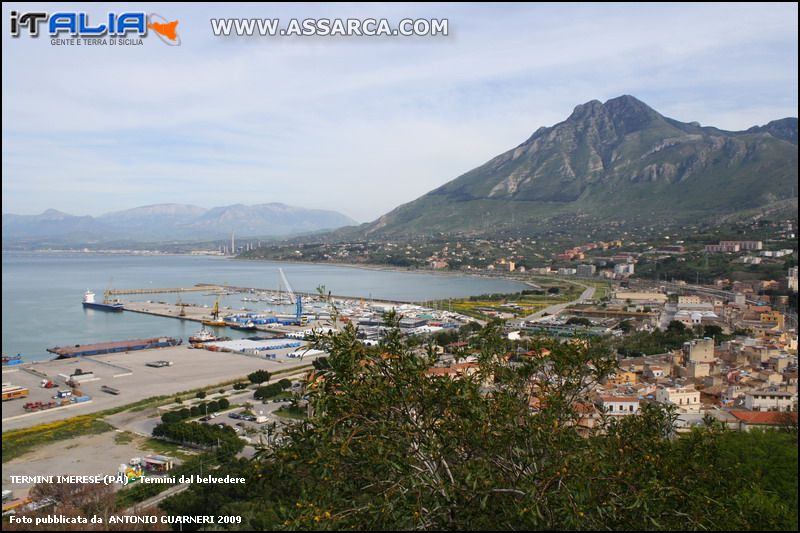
(721,248)
(699,350)
(747,420)
(623,269)
(686,399)
(698,357)
(770,400)
(744,245)
(641,298)
(622,377)
(619,405)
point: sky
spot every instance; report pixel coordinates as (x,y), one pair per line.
(358,125)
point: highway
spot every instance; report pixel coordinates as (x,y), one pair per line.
(587,294)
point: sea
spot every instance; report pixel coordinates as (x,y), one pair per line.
(43,291)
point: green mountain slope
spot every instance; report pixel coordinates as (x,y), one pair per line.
(618,161)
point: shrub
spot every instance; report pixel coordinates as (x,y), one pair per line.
(259,376)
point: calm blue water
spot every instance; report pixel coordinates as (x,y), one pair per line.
(42,293)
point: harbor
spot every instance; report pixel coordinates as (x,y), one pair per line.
(216,333)
(42,296)
(85,378)
(309,313)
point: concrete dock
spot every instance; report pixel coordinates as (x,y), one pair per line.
(198,313)
(191,369)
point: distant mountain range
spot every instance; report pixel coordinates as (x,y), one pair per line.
(170,222)
(620,162)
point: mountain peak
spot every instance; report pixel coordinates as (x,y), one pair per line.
(630,114)
(583,111)
(784,128)
(626,113)
(626,99)
(620,161)
(54,214)
(628,104)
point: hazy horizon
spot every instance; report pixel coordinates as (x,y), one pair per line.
(155,205)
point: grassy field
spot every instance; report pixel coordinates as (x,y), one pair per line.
(164,448)
(519,305)
(21,441)
(601,288)
(150,444)
(123,437)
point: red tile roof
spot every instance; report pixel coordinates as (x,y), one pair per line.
(619,399)
(767,418)
(440,371)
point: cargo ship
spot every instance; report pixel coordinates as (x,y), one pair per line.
(65,352)
(89,303)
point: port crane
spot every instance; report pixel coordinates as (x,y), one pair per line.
(289,290)
(292,297)
(215,311)
(215,320)
(182,306)
(107,292)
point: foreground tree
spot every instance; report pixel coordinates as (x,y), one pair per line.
(503,445)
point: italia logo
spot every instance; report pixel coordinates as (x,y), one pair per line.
(77,24)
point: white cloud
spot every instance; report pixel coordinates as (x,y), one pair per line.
(362,125)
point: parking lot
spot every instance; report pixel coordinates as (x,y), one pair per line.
(129,374)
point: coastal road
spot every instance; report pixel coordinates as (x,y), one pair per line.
(158,498)
(587,294)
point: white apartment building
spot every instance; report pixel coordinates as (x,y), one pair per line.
(686,399)
(770,400)
(619,405)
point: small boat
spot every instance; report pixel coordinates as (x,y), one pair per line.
(10,360)
(247,326)
(203,336)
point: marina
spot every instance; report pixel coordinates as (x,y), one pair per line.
(230,329)
(42,295)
